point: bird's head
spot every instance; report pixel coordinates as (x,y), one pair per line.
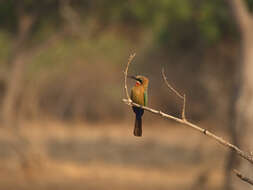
(140,80)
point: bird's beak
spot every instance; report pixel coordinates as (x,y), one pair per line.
(132,77)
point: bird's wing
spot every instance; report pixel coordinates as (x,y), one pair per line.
(131,95)
(145,98)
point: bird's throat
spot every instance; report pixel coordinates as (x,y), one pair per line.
(137,83)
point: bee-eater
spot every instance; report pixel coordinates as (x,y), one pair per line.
(139,96)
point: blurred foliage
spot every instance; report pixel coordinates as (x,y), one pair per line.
(178,25)
(167,18)
(250,4)
(172,22)
(10,11)
(185,33)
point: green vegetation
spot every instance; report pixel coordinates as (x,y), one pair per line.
(97,36)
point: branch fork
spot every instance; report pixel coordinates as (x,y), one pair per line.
(245,155)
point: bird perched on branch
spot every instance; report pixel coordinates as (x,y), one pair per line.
(139,96)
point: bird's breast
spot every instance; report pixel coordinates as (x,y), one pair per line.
(137,95)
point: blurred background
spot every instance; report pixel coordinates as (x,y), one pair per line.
(63,123)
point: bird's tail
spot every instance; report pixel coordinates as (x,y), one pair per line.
(138,126)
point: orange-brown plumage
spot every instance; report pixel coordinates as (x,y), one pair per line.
(139,96)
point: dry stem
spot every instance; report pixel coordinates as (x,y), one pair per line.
(183,121)
(131,57)
(176,92)
(244,178)
(169,86)
(193,126)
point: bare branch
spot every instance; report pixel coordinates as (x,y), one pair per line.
(169,86)
(183,111)
(183,121)
(218,139)
(176,92)
(125,73)
(243,178)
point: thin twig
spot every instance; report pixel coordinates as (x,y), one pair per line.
(169,86)
(183,112)
(195,127)
(242,177)
(125,73)
(176,92)
(183,121)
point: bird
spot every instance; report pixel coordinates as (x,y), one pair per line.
(139,96)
